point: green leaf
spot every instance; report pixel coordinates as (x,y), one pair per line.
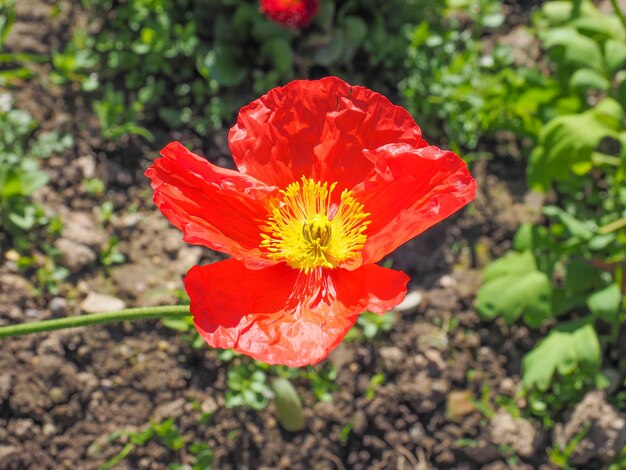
(355,32)
(515,288)
(581,278)
(605,303)
(568,348)
(170,116)
(566,144)
(493,20)
(573,48)
(24,218)
(11,183)
(575,227)
(558,12)
(330,53)
(278,52)
(246,15)
(289,411)
(610,113)
(532,237)
(614,54)
(223,63)
(588,79)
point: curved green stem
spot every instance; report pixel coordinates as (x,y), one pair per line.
(142,313)
(619,12)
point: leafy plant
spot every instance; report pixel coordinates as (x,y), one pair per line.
(376,381)
(560,456)
(110,254)
(48,274)
(15,67)
(7,18)
(194,64)
(369,325)
(20,175)
(455,85)
(569,348)
(247,386)
(514,286)
(569,270)
(166,433)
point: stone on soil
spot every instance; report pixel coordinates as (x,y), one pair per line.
(75,256)
(81,228)
(411,302)
(95,302)
(459,404)
(518,433)
(604,439)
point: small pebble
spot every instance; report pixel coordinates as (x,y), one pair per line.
(58,305)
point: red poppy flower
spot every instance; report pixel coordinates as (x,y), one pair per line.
(290,13)
(331,178)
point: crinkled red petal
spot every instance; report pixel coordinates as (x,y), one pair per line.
(279,315)
(321,129)
(213,206)
(412,190)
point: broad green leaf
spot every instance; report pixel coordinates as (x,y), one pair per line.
(265,30)
(588,79)
(355,29)
(278,52)
(575,227)
(170,116)
(605,303)
(223,63)
(532,237)
(581,278)
(32,180)
(246,15)
(614,54)
(566,143)
(567,348)
(24,218)
(514,288)
(594,24)
(610,113)
(11,183)
(328,54)
(511,263)
(577,50)
(493,20)
(355,32)
(558,12)
(600,242)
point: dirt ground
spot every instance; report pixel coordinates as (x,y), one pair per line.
(63,394)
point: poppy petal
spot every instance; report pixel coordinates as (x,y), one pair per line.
(213,206)
(279,315)
(318,129)
(412,190)
(293,14)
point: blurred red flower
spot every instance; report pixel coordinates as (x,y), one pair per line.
(331,178)
(290,13)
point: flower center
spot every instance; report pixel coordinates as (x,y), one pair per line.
(306,229)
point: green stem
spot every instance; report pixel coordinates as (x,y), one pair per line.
(142,313)
(618,12)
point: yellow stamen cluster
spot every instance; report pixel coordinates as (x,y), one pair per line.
(307,230)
